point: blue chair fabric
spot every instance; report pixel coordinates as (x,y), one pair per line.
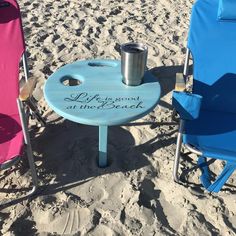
(227,10)
(187,104)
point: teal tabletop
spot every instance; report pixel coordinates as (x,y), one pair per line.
(99,97)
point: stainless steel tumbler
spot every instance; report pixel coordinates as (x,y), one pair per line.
(133,63)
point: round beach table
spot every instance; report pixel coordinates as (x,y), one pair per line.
(91,92)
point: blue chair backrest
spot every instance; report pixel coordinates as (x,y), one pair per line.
(213,47)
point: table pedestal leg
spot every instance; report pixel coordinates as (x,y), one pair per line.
(103,132)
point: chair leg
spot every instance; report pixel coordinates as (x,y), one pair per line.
(222,178)
(17,200)
(205,176)
(177,152)
(27,142)
(32,166)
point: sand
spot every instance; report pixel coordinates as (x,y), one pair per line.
(135,194)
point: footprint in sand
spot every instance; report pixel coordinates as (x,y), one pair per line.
(70,222)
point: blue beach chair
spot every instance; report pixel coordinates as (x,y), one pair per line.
(208,114)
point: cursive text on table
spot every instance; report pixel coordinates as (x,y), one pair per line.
(86,101)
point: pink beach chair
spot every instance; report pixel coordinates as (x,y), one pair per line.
(13,120)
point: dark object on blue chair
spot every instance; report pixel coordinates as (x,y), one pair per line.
(210,131)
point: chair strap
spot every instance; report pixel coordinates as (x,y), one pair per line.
(221,179)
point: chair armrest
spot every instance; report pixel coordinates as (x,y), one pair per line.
(187,104)
(180,84)
(27,90)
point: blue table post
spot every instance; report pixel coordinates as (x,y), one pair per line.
(103,132)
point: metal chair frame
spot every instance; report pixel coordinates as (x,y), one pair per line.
(181,128)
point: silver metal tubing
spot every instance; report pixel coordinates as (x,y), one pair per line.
(27,142)
(186,63)
(177,152)
(25,65)
(10,163)
(13,201)
(193,149)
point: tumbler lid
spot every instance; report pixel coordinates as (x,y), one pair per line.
(133,47)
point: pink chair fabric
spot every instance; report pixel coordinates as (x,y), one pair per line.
(11,48)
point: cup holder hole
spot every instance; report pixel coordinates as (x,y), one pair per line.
(70,81)
(101,64)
